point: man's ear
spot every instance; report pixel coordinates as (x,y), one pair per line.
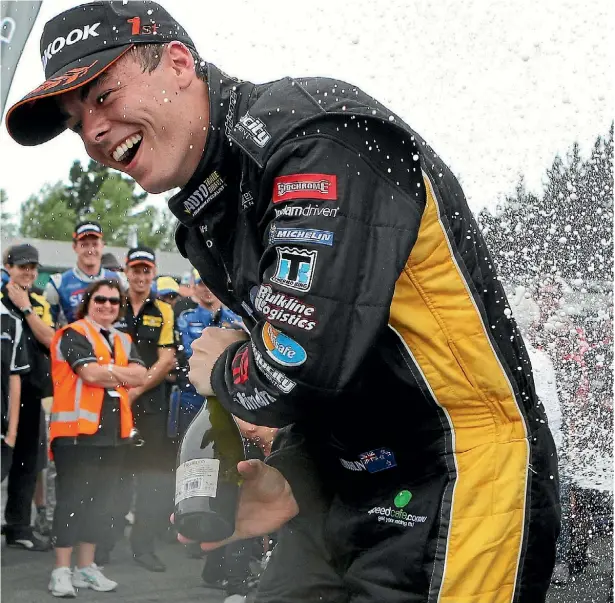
(181,61)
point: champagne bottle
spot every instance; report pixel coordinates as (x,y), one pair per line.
(207,481)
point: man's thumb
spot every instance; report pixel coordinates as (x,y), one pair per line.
(250,469)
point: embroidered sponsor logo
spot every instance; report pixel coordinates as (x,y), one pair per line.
(352,465)
(240,367)
(275,377)
(397,515)
(309,211)
(230,114)
(304,186)
(254,401)
(282,348)
(295,268)
(279,307)
(247,201)
(76,35)
(279,234)
(152,321)
(207,191)
(138,29)
(254,129)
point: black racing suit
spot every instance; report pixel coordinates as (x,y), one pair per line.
(379,330)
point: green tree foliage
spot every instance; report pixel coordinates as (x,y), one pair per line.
(102,194)
(568,231)
(47,215)
(9,229)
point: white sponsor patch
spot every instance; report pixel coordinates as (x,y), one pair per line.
(275,377)
(254,401)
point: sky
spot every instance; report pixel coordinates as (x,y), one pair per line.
(496,88)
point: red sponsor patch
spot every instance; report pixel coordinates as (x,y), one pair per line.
(304,186)
(240,368)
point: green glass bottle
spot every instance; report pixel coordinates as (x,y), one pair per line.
(207,481)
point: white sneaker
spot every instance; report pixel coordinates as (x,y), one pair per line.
(235,599)
(60,584)
(92,577)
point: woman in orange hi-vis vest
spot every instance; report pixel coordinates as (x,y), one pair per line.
(93,365)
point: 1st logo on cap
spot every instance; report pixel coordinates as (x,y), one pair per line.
(76,35)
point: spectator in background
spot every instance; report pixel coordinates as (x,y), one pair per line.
(29,455)
(109,261)
(15,363)
(64,291)
(94,366)
(5,274)
(193,314)
(149,322)
(168,290)
(558,353)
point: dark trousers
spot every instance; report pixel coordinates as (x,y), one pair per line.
(301,568)
(153,466)
(26,462)
(86,483)
(7,459)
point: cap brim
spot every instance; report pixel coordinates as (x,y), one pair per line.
(25,262)
(88,233)
(137,262)
(37,118)
(165,292)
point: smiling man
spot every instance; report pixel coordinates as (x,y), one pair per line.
(379,328)
(64,291)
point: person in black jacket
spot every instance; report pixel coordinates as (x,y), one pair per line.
(30,454)
(379,328)
(14,363)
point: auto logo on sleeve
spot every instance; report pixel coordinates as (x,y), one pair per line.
(281,348)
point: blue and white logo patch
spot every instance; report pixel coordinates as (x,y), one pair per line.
(281,348)
(278,234)
(295,268)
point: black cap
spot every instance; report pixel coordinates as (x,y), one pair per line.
(109,261)
(87,228)
(20,255)
(141,255)
(76,47)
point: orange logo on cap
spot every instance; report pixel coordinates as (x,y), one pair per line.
(62,80)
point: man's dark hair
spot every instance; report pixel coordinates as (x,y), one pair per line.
(149,56)
(84,308)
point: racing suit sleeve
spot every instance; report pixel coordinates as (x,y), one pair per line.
(336,234)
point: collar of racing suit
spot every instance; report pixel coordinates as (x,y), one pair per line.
(81,275)
(218,168)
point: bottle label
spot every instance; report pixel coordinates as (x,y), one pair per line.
(198,477)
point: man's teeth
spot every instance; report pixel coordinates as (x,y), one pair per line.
(122,149)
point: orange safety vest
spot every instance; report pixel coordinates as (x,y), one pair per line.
(76,404)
